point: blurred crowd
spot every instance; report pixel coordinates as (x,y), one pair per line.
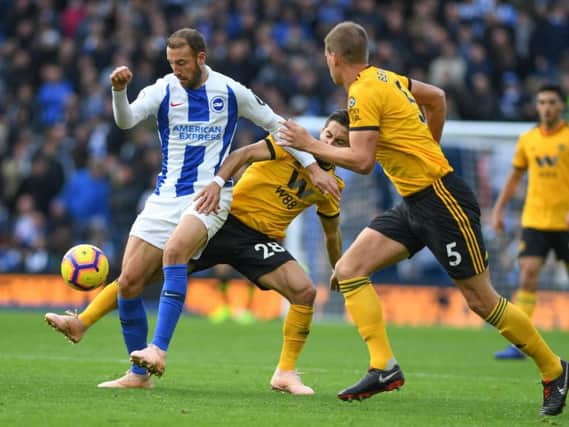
(69,175)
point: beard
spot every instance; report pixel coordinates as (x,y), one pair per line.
(195,80)
(192,81)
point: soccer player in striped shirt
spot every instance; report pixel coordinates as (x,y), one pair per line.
(197,110)
(269,195)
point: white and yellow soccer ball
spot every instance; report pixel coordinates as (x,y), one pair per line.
(84,267)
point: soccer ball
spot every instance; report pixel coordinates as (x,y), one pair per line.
(84,267)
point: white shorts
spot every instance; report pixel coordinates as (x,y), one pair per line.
(160,216)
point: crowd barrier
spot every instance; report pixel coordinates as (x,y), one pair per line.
(402,304)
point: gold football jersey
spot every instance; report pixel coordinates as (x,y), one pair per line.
(546,157)
(411,158)
(270,194)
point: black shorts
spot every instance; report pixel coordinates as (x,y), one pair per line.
(250,252)
(445,217)
(539,242)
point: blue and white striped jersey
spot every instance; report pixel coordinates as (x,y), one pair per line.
(195,126)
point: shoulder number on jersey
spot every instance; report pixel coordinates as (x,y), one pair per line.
(411,100)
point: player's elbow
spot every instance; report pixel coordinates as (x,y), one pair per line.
(123,124)
(438,92)
(364,166)
(247,156)
(438,98)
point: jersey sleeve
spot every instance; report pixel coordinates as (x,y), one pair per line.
(277,152)
(329,207)
(520,159)
(145,105)
(364,108)
(254,108)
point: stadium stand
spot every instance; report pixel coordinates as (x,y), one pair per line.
(56,129)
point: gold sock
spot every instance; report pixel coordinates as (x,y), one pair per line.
(526,301)
(104,302)
(296,328)
(364,306)
(516,327)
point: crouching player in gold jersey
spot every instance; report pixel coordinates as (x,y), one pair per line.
(438,211)
(269,195)
(544,153)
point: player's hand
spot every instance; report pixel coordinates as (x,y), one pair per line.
(207,200)
(497,221)
(323,181)
(334,285)
(291,134)
(120,77)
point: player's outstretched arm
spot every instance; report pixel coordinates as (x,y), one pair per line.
(358,157)
(505,196)
(333,238)
(207,200)
(433,101)
(122,113)
(127,115)
(256,152)
(254,109)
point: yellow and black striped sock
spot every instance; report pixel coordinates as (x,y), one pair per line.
(103,303)
(516,327)
(364,307)
(296,328)
(526,300)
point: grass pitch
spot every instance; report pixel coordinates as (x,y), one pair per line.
(219,376)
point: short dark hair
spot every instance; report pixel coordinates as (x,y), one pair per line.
(187,36)
(340,116)
(552,88)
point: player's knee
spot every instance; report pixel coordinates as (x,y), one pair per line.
(303,295)
(174,253)
(131,284)
(345,270)
(307,295)
(479,305)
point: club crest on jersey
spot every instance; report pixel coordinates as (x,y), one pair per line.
(217,104)
(351,102)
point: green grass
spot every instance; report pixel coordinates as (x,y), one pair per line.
(218,376)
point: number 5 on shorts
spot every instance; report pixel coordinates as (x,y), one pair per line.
(454,257)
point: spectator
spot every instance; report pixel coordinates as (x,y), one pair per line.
(512,96)
(55,58)
(448,70)
(486,105)
(53,94)
(43,183)
(86,196)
